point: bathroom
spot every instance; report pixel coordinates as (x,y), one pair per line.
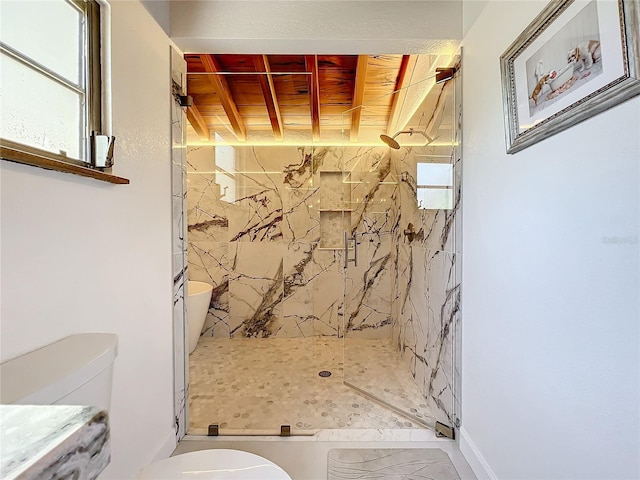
(99,256)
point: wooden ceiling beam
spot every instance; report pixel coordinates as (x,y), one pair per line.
(311,65)
(221,87)
(261,63)
(358,95)
(405,71)
(198,123)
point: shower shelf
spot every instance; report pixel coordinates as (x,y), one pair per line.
(334,208)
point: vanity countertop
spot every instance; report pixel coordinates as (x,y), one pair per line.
(53,441)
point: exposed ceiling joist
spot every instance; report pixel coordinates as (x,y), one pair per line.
(221,87)
(358,95)
(311,64)
(261,63)
(407,67)
(300,99)
(198,123)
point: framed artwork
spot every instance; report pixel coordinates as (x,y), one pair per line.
(576,59)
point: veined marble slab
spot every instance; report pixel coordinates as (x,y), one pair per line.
(390,464)
(53,441)
(255,218)
(426,291)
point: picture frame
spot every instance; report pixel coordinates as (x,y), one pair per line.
(576,59)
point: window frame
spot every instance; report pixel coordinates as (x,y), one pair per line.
(437,187)
(91,88)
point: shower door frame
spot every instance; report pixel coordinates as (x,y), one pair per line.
(181,371)
(452,417)
(178,85)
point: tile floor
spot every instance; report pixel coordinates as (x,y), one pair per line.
(252,386)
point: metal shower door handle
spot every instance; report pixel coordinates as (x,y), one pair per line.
(346,250)
(355,249)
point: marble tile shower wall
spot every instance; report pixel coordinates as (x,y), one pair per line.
(254,228)
(426,292)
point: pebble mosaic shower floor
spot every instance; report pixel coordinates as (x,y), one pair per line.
(251,385)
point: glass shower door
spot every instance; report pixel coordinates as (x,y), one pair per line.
(252,224)
(401,297)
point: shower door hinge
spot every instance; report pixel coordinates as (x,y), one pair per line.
(214,430)
(443,430)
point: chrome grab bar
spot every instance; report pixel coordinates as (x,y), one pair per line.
(355,249)
(346,250)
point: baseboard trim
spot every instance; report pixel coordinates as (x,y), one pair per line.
(474,458)
(163,449)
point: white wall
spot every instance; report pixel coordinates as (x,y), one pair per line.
(80,255)
(550,308)
(160,10)
(317,26)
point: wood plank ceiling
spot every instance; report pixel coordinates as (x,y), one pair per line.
(295,98)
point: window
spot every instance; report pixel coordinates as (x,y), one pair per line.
(50,78)
(225,170)
(435,186)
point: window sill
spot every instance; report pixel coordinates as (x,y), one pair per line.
(35,160)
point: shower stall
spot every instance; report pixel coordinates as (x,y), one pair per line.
(335,273)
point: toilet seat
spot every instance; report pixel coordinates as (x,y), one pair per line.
(214,464)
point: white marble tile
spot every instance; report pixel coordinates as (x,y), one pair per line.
(298,317)
(368,293)
(305,309)
(257,216)
(300,218)
(209,263)
(328,158)
(328,286)
(256,287)
(207,213)
(298,171)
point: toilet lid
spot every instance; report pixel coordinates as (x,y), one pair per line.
(214,464)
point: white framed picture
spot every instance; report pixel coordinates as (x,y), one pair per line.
(576,59)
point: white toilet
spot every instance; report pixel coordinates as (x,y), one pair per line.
(214,464)
(78,370)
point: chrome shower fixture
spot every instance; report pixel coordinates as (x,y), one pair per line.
(391,141)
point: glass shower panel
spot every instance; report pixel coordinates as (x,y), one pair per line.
(179,248)
(400,298)
(253,226)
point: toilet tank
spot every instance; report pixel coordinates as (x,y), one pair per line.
(76,370)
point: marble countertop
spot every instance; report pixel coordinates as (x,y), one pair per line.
(53,441)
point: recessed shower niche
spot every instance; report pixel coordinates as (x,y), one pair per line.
(335,211)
